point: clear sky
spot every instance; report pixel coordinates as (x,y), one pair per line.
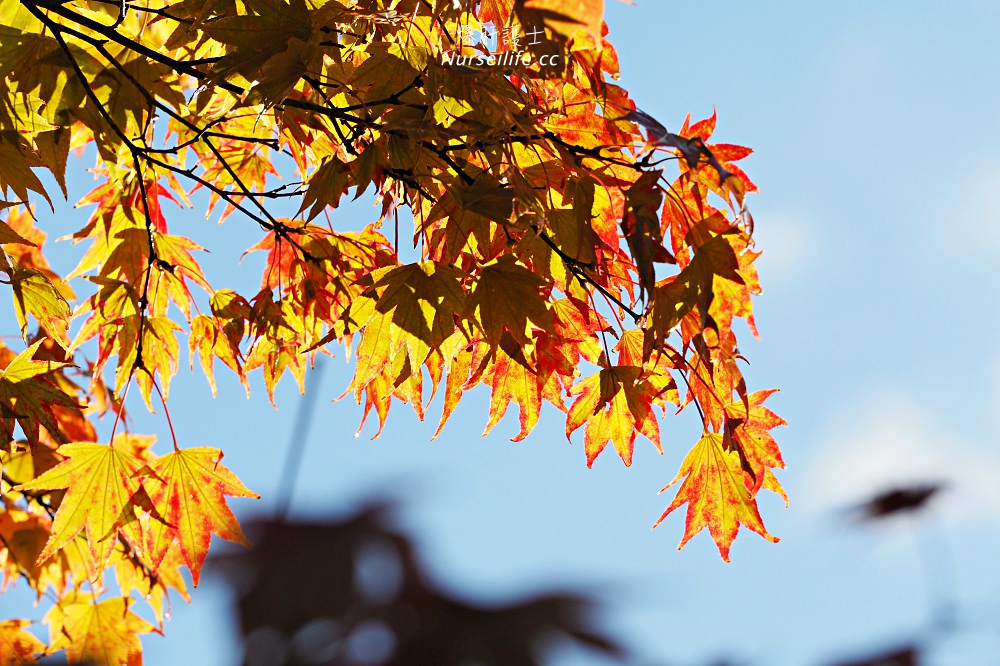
(875,126)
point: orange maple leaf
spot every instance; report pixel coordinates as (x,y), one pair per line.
(187,488)
(716,495)
(750,425)
(512,381)
(725,153)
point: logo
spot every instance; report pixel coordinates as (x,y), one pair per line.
(499,48)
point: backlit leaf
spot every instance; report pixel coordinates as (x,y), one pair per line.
(35,294)
(31,398)
(105,633)
(614,405)
(716,496)
(508,297)
(188,489)
(17,646)
(100,481)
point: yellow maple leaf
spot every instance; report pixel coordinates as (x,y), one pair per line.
(100,481)
(102,633)
(17,646)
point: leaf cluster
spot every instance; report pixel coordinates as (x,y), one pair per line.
(567,249)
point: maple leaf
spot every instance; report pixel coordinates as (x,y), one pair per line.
(16,159)
(750,424)
(35,294)
(100,481)
(615,404)
(716,495)
(513,381)
(104,633)
(9,235)
(723,154)
(458,362)
(507,297)
(132,574)
(187,488)
(31,398)
(423,300)
(694,286)
(260,43)
(17,646)
(641,228)
(485,198)
(23,538)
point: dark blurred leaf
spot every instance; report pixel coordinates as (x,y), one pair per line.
(898,500)
(907,656)
(352,592)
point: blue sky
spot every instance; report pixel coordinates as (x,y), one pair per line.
(875,126)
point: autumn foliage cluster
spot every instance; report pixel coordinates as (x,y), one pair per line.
(568,249)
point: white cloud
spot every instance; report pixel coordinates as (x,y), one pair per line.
(889,440)
(965,211)
(790,242)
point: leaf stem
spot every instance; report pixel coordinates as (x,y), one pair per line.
(166,410)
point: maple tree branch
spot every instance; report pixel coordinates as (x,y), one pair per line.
(136,153)
(57,32)
(341,113)
(275,225)
(199,133)
(393,99)
(348,144)
(441,24)
(176,65)
(271,224)
(224,194)
(281,230)
(37,496)
(407,178)
(276,193)
(150,262)
(11,482)
(594,153)
(580,273)
(466,178)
